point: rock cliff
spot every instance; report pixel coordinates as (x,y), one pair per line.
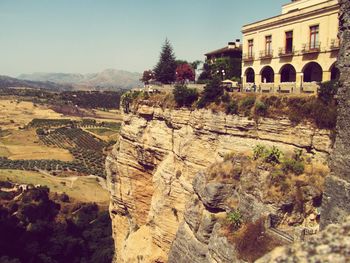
(331,245)
(151,169)
(336,205)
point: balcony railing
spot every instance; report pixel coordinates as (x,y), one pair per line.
(266,54)
(335,44)
(310,48)
(248,57)
(286,52)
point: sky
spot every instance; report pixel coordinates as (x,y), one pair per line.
(87,36)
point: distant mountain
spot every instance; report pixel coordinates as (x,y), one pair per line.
(109,79)
(8,82)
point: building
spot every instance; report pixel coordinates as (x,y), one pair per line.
(294,51)
(232,50)
(226,61)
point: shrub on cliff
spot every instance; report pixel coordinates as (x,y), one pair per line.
(327,91)
(212,92)
(294,166)
(260,108)
(235,219)
(246,104)
(232,107)
(184,96)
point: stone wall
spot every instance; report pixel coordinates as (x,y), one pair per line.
(336,201)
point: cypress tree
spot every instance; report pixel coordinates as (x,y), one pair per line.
(166,66)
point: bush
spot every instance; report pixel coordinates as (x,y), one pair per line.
(184,96)
(325,115)
(273,155)
(212,92)
(247,104)
(327,91)
(259,151)
(294,166)
(232,107)
(225,98)
(235,219)
(260,108)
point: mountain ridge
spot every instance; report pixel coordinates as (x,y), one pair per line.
(106,79)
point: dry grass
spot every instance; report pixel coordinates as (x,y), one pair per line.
(225,171)
(251,240)
(105,134)
(15,114)
(288,184)
(25,145)
(83,189)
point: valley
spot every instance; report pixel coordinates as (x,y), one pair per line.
(62,150)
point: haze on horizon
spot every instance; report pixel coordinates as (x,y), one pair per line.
(85,36)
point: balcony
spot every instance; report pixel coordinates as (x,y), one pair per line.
(248,57)
(335,44)
(286,52)
(311,48)
(266,54)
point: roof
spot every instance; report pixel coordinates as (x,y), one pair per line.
(223,50)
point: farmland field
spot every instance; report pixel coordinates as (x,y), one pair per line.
(33,137)
(83,189)
(14,114)
(25,145)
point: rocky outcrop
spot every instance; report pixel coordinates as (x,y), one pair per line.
(240,184)
(151,169)
(331,245)
(336,205)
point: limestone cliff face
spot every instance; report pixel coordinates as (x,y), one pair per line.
(336,205)
(151,169)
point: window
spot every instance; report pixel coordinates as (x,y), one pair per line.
(250,48)
(289,42)
(268,42)
(314,30)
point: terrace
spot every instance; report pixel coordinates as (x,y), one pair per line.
(266,54)
(311,48)
(286,52)
(249,57)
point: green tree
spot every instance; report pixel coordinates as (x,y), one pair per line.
(147,76)
(166,66)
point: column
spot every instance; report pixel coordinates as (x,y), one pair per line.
(299,82)
(277,82)
(326,76)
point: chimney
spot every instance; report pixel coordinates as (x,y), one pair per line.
(235,44)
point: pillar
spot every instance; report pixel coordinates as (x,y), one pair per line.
(326,76)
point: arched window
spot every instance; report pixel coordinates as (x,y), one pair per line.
(312,72)
(267,75)
(250,75)
(335,74)
(288,73)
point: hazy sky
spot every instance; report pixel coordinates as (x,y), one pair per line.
(82,36)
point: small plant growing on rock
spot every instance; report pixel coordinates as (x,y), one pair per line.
(291,165)
(259,151)
(235,219)
(273,155)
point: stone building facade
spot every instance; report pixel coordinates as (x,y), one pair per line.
(294,51)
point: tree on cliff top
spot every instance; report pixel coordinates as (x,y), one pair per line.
(166,66)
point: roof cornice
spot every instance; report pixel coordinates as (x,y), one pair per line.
(287,19)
